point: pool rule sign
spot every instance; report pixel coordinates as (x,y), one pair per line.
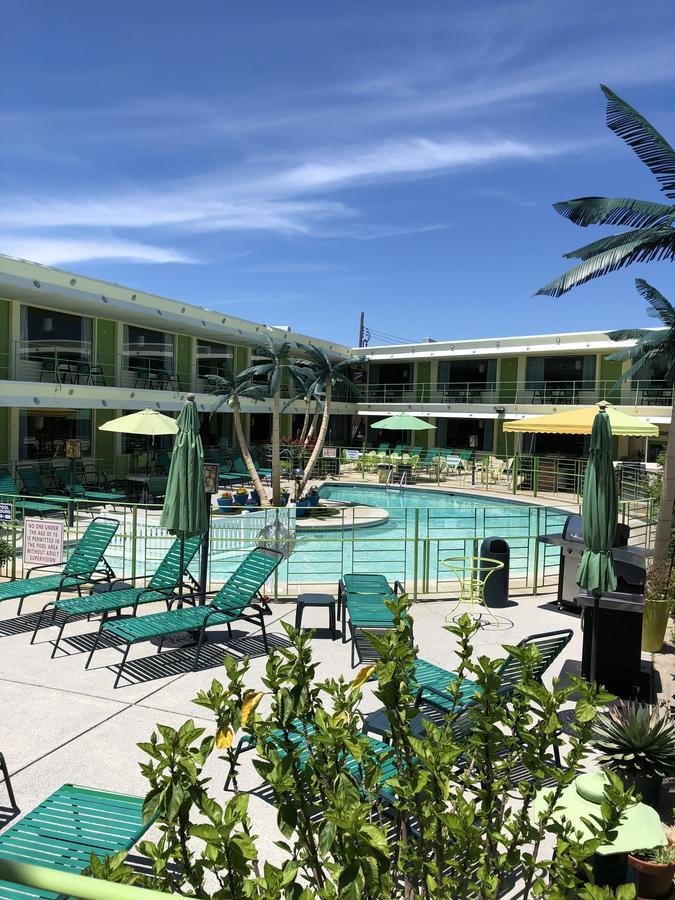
(42,542)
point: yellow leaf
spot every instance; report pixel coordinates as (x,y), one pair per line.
(224,739)
(251,700)
(363,676)
(340,718)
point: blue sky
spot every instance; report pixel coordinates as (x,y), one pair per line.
(297,163)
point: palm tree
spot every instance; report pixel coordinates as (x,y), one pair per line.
(655,350)
(327,375)
(651,235)
(232,390)
(277,360)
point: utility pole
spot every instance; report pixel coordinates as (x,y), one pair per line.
(361,330)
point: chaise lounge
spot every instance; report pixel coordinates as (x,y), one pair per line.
(86,561)
(227,606)
(160,587)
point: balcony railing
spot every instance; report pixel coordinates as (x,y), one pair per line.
(551,393)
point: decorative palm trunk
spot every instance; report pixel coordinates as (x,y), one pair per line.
(305,422)
(276,459)
(312,428)
(246,455)
(664,522)
(320,441)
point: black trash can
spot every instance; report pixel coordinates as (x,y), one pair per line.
(496,589)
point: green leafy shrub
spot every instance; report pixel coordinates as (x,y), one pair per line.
(6,553)
(434,817)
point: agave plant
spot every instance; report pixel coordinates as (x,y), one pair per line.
(637,740)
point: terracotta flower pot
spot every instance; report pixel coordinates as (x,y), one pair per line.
(654,880)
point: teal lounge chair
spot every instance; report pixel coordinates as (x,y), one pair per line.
(227,606)
(433,681)
(363,599)
(34,486)
(239,468)
(9,491)
(80,492)
(160,587)
(86,561)
(63,831)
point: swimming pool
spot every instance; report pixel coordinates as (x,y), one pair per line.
(424,527)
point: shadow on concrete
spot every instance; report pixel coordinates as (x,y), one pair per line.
(26,624)
(180,660)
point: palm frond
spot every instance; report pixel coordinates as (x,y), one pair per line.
(626,334)
(625,211)
(650,146)
(616,241)
(660,246)
(660,308)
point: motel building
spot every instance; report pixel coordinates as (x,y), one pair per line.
(76,352)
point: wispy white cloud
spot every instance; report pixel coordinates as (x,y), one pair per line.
(58,251)
(267,197)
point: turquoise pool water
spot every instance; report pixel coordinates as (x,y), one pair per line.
(424,527)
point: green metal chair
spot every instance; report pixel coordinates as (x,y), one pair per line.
(433,681)
(161,586)
(63,831)
(81,493)
(10,490)
(34,485)
(239,468)
(227,606)
(362,602)
(86,561)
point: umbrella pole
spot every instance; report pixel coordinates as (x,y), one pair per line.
(204,559)
(595,637)
(181,566)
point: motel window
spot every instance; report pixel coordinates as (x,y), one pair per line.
(43,432)
(48,335)
(146,350)
(213,359)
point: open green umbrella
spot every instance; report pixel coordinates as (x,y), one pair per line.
(185,513)
(402,422)
(600,514)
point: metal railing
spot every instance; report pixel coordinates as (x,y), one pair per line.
(551,393)
(331,541)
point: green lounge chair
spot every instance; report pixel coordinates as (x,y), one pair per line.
(81,493)
(227,606)
(160,587)
(363,598)
(34,486)
(86,561)
(351,766)
(239,468)
(64,830)
(433,681)
(10,491)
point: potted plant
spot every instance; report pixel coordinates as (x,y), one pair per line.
(285,497)
(655,870)
(254,498)
(225,500)
(637,741)
(241,496)
(658,597)
(313,497)
(6,553)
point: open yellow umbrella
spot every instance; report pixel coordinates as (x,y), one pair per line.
(145,421)
(579,420)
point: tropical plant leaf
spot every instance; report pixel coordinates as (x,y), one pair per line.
(660,308)
(649,145)
(660,246)
(626,334)
(616,241)
(585,211)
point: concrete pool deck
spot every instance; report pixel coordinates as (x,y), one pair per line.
(61,723)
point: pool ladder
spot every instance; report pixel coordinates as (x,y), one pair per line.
(390,480)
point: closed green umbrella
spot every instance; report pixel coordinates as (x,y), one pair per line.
(600,514)
(185,513)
